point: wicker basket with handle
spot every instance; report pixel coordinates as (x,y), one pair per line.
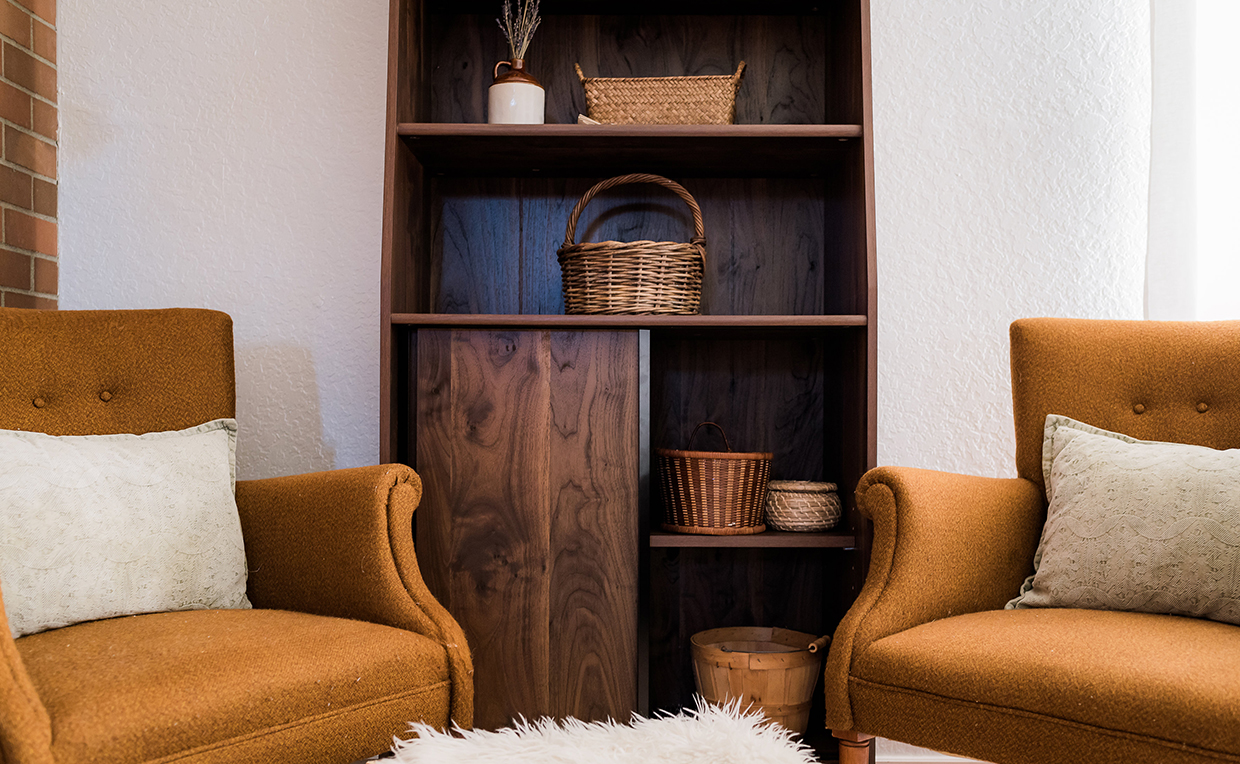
(633,277)
(802,505)
(699,100)
(715,493)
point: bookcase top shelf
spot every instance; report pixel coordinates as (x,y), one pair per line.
(587,150)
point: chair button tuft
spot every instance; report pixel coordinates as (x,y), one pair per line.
(1202,408)
(105,396)
(39,403)
(1139,408)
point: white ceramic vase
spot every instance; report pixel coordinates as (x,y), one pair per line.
(516,98)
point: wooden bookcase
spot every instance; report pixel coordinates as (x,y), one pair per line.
(533,430)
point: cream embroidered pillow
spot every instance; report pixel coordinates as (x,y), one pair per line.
(98,526)
(1136,525)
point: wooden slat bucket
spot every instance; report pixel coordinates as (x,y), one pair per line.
(772,669)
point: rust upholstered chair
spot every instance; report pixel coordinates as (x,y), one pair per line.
(927,655)
(344,645)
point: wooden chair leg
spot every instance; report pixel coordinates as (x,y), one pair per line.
(855,747)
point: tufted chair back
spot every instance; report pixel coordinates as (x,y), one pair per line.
(1169,381)
(103,372)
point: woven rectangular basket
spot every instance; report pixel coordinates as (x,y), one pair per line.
(714,493)
(698,100)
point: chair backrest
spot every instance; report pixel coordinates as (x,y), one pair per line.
(114,371)
(1153,380)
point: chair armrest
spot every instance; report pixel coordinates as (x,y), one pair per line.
(25,726)
(340,543)
(944,545)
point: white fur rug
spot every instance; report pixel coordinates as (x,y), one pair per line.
(709,735)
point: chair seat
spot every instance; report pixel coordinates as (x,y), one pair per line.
(222,685)
(1164,679)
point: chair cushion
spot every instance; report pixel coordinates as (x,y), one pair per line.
(232,686)
(1163,679)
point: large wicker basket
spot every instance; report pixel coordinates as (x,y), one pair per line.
(714,493)
(708,100)
(801,505)
(633,277)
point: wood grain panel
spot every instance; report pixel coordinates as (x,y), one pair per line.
(594,533)
(768,395)
(784,77)
(476,246)
(483,422)
(527,447)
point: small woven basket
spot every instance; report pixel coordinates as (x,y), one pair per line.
(714,493)
(708,100)
(799,505)
(633,277)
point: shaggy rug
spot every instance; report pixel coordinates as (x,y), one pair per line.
(709,735)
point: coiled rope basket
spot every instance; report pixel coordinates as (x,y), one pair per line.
(633,277)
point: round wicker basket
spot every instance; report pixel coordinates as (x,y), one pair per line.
(713,493)
(801,505)
(634,277)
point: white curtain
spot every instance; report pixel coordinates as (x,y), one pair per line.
(1193,264)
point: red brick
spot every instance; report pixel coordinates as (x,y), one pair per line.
(14,104)
(44,9)
(44,41)
(26,232)
(45,275)
(29,152)
(15,187)
(15,300)
(14,269)
(29,72)
(14,23)
(45,119)
(45,198)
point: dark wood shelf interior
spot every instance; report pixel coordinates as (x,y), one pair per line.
(590,150)
(766,539)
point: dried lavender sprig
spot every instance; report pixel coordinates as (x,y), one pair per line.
(520,30)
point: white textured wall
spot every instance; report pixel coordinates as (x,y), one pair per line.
(1011,162)
(229,155)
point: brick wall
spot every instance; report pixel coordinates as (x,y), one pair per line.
(28,119)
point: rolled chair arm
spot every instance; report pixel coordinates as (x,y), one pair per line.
(25,726)
(340,543)
(944,545)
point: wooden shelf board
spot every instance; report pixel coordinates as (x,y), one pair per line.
(594,150)
(778,539)
(559,321)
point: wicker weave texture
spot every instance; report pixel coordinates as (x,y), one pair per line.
(705,100)
(800,505)
(636,277)
(713,492)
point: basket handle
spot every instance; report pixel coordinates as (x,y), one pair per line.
(819,643)
(740,72)
(699,229)
(580,74)
(726,444)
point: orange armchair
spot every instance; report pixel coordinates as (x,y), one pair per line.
(927,655)
(344,647)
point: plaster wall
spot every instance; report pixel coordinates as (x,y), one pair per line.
(1012,173)
(230,156)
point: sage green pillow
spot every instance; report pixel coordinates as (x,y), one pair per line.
(1136,525)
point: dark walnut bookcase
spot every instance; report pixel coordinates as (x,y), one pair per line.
(533,430)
